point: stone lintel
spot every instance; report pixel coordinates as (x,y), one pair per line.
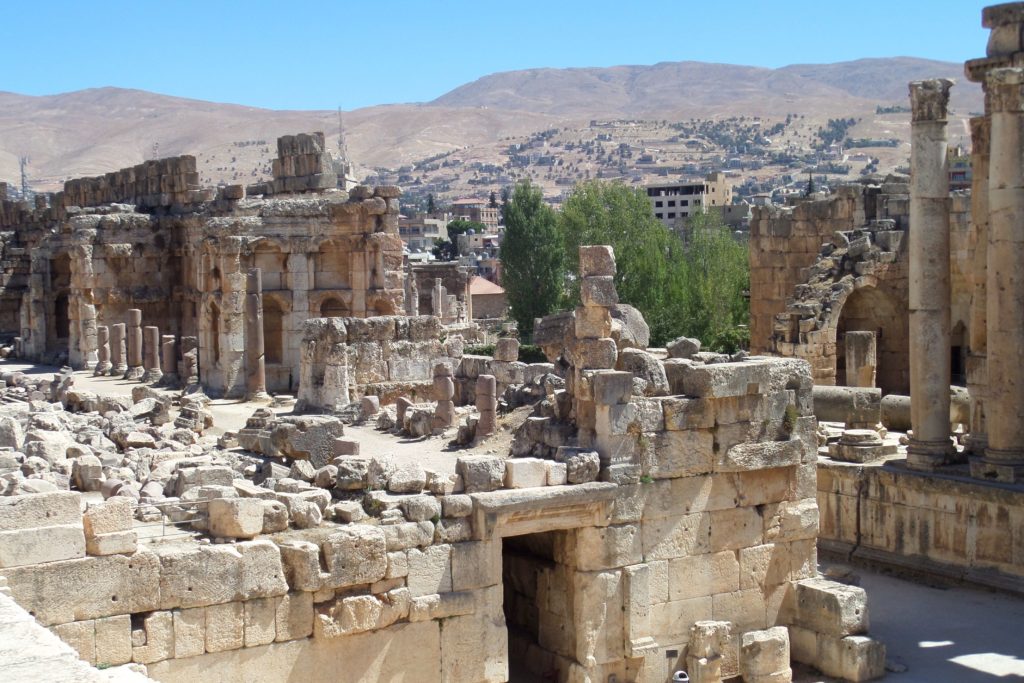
(525,511)
(929,99)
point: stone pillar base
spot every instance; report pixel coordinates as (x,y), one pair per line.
(259,397)
(102,369)
(118,370)
(926,456)
(1000,468)
(134,373)
(152,376)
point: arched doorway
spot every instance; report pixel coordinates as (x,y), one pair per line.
(875,310)
(333,307)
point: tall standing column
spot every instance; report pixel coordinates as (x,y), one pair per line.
(151,354)
(977,377)
(1004,400)
(118,366)
(931,445)
(134,343)
(103,352)
(255,364)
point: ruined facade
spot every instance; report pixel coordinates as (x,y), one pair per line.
(149,238)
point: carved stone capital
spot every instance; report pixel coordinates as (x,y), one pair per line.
(929,99)
(1006,89)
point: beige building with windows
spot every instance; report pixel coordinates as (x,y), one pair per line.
(673,201)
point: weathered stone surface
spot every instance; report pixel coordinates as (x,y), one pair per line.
(355,555)
(481,473)
(236,517)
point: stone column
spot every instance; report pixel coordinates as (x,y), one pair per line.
(487,405)
(255,368)
(151,355)
(134,344)
(103,352)
(444,392)
(861,359)
(977,378)
(437,299)
(118,366)
(169,359)
(1004,404)
(929,295)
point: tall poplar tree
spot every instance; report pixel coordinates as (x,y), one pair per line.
(532,257)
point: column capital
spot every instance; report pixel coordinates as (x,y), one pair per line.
(929,99)
(1006,89)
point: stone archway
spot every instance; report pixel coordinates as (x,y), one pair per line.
(333,307)
(875,310)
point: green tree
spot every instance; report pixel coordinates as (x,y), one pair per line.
(711,283)
(532,257)
(431,206)
(810,185)
(645,250)
(493,200)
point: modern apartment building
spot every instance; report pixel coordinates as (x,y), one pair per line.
(673,201)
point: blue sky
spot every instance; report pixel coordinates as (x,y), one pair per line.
(301,54)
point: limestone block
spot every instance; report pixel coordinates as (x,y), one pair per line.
(682,414)
(507,350)
(443,484)
(702,575)
(346,446)
(683,347)
(81,636)
(736,528)
(597,260)
(35,510)
(408,478)
(301,562)
(521,473)
(225,627)
(608,547)
(158,628)
(853,658)
(407,535)
(113,640)
(189,632)
(475,647)
(764,566)
(421,508)
(236,517)
(592,322)
(476,564)
(671,621)
(275,516)
(430,570)
(595,354)
(305,514)
(457,505)
(354,555)
(831,608)
(759,456)
(744,608)
(645,366)
(481,473)
(115,514)
(398,565)
(764,656)
(682,454)
(260,621)
(557,473)
(294,617)
(598,290)
(36,546)
(720,380)
(208,575)
(678,536)
(581,466)
(117,584)
(114,543)
(794,521)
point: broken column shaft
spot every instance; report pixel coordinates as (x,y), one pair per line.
(118,366)
(151,354)
(929,295)
(133,337)
(255,364)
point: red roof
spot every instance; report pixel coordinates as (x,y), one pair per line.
(479,285)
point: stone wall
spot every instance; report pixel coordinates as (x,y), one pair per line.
(838,264)
(148,238)
(344,359)
(946,525)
